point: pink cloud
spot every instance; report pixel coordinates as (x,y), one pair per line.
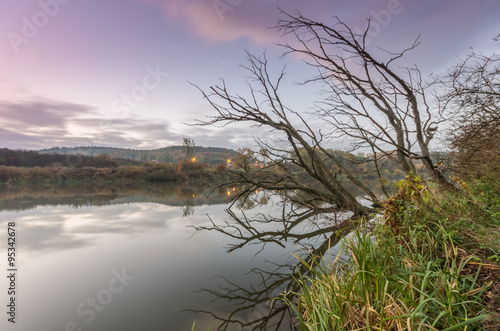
(219,21)
(223,24)
(228,20)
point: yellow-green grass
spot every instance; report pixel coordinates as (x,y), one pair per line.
(432,265)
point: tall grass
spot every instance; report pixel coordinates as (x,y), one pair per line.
(420,270)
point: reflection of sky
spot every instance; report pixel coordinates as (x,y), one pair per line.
(63,227)
(169,194)
(66,255)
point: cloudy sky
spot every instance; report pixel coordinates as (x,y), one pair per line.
(117,72)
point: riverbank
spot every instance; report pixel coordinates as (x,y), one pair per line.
(433,264)
(124,174)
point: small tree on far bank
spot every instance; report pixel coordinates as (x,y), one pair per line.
(244,158)
(188,145)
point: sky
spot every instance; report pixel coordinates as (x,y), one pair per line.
(121,72)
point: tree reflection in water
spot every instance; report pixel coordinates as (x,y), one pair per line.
(311,232)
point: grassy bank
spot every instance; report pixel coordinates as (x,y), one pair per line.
(431,265)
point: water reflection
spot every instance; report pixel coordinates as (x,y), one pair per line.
(143,227)
(29,197)
(70,238)
(55,229)
(255,306)
(308,233)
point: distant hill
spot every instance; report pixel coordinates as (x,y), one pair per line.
(172,154)
(23,158)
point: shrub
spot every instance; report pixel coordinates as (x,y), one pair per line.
(221,167)
(190,169)
(130,172)
(162,172)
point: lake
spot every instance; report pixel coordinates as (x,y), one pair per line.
(126,257)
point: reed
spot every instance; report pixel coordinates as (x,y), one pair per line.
(422,269)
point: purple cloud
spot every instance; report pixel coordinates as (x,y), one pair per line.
(41,123)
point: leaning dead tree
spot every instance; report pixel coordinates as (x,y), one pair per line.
(370,98)
(367,101)
(265,109)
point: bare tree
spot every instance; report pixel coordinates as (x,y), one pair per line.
(266,109)
(471,94)
(188,145)
(371,100)
(377,104)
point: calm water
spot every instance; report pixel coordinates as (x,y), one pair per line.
(125,258)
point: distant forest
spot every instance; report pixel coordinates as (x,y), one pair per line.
(28,159)
(110,156)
